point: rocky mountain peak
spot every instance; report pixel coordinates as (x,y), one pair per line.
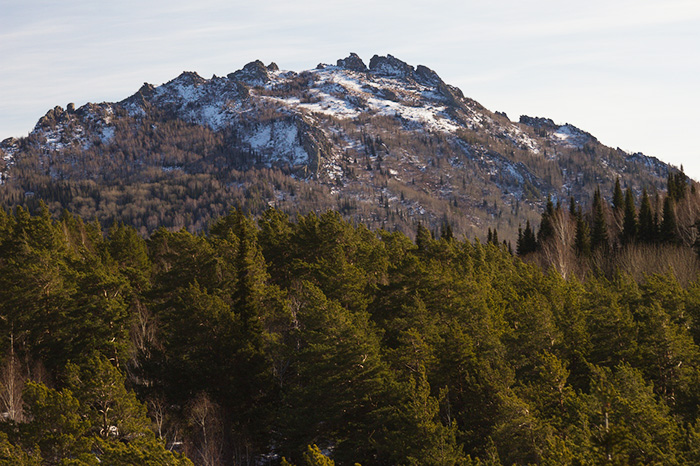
(353,63)
(390,66)
(538,122)
(146,90)
(189,78)
(254,73)
(53,116)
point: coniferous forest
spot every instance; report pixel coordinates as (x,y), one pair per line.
(312,341)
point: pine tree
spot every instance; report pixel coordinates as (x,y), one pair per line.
(618,198)
(547,223)
(113,411)
(313,456)
(582,242)
(677,184)
(519,241)
(446,231)
(527,243)
(667,230)
(572,207)
(56,426)
(646,228)
(599,233)
(629,224)
(423,237)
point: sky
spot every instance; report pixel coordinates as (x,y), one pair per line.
(627,72)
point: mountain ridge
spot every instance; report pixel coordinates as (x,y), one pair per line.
(389,144)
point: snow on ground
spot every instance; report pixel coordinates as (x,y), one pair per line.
(54,138)
(213,115)
(107,134)
(570,136)
(522,139)
(432,117)
(340,94)
(279,141)
(328,105)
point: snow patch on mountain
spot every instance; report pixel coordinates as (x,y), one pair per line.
(107,134)
(571,136)
(521,139)
(278,141)
(346,94)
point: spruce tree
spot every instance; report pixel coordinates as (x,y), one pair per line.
(423,237)
(572,207)
(583,236)
(646,228)
(547,223)
(676,185)
(446,231)
(519,241)
(527,242)
(629,224)
(667,230)
(599,234)
(618,198)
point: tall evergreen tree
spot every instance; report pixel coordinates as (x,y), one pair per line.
(667,230)
(618,198)
(582,242)
(423,237)
(446,231)
(599,233)
(572,207)
(547,223)
(677,184)
(646,227)
(527,243)
(629,224)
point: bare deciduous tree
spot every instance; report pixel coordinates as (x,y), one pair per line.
(12,380)
(205,416)
(558,251)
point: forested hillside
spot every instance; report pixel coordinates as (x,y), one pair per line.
(315,340)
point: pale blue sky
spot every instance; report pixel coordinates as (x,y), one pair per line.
(625,71)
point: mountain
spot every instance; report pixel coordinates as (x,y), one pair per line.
(387,144)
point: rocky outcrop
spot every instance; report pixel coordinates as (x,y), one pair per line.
(390,66)
(353,63)
(538,123)
(254,73)
(426,76)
